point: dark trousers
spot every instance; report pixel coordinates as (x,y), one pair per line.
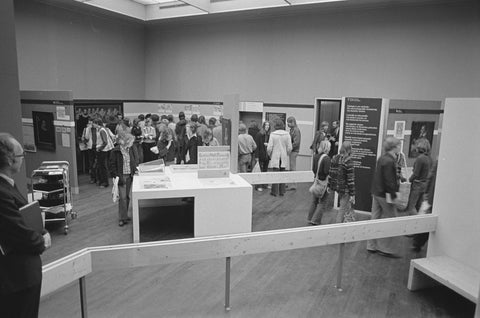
(92,164)
(22,304)
(148,155)
(102,167)
(278,188)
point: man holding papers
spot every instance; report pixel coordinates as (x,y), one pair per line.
(21,246)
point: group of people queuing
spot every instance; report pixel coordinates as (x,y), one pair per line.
(271,148)
(115,149)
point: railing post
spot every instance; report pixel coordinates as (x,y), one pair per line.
(83,297)
(341,254)
(227,284)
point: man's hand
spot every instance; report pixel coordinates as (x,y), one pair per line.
(47,239)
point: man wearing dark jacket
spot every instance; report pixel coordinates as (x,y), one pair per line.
(20,246)
(384,188)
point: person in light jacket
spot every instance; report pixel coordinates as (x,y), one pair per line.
(279,148)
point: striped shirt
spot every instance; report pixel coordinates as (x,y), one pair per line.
(126,160)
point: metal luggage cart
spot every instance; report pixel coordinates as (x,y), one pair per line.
(51,187)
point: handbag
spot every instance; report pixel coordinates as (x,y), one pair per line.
(256,168)
(403,192)
(402,195)
(115,194)
(319,187)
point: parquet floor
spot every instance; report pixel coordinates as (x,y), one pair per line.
(296,283)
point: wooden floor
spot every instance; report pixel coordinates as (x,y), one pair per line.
(298,283)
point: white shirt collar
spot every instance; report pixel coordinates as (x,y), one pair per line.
(9,180)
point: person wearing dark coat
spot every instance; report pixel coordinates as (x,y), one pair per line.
(193,143)
(123,164)
(384,187)
(181,133)
(261,139)
(20,245)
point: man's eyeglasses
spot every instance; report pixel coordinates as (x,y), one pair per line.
(21,155)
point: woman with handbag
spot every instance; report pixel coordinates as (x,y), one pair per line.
(342,180)
(321,168)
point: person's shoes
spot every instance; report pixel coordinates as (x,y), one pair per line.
(121,223)
(281,194)
(260,189)
(269,186)
(273,194)
(389,255)
(292,189)
(371,251)
(128,219)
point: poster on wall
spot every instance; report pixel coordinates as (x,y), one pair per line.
(270,117)
(420,130)
(218,110)
(362,127)
(107,112)
(44,130)
(28,138)
(399,129)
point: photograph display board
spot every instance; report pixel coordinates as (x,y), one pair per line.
(44,130)
(94,110)
(361,126)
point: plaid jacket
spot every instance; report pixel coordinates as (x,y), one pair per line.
(342,176)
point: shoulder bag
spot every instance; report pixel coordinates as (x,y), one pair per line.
(319,187)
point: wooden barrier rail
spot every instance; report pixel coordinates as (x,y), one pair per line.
(67,269)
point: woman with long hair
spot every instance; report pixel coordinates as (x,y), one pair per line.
(261,139)
(123,164)
(278,148)
(321,167)
(193,142)
(342,180)
(166,147)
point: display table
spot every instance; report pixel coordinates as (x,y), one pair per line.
(221,205)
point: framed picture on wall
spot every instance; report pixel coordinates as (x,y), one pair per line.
(399,131)
(420,130)
(270,117)
(44,130)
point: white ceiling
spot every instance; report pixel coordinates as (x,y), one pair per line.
(158,10)
(151,10)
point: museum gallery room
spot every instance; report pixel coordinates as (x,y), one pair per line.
(243,158)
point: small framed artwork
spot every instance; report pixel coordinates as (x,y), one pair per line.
(44,130)
(420,130)
(399,130)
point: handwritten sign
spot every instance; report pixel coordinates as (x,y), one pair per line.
(214,162)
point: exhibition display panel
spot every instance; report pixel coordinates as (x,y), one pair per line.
(221,205)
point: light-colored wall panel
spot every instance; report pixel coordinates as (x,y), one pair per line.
(457,189)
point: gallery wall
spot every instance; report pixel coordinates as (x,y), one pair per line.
(407,52)
(94,56)
(10,111)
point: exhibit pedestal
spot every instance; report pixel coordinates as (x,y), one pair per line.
(221,205)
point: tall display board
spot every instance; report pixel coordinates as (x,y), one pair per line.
(362,124)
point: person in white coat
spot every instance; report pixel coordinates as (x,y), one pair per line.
(279,148)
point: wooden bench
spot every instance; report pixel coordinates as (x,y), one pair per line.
(430,271)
